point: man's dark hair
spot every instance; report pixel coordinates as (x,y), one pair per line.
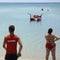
(11,28)
(50,30)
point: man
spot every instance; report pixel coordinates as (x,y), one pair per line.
(10,45)
(50,44)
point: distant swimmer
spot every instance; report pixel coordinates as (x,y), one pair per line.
(10,45)
(50,44)
(42,9)
(48,10)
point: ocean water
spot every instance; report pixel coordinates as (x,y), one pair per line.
(32,34)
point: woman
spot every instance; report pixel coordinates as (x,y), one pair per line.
(50,44)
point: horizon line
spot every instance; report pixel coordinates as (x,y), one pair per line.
(29,2)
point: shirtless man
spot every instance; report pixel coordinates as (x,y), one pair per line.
(50,44)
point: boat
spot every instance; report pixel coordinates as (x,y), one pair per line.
(35,18)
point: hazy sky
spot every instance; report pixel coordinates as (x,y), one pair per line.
(29,0)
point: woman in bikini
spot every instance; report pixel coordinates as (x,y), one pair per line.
(50,44)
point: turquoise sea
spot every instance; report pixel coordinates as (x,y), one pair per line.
(31,33)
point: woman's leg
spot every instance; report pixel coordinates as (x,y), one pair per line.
(53,53)
(47,53)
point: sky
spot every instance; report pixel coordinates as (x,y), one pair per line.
(29,0)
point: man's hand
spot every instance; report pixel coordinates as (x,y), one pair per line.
(18,55)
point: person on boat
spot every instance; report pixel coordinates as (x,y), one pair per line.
(10,45)
(32,18)
(38,18)
(35,16)
(50,44)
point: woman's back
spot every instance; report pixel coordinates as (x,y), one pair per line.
(50,38)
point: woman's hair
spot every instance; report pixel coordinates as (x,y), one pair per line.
(50,30)
(11,28)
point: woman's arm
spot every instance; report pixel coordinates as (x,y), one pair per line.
(56,38)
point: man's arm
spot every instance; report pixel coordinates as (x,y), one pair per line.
(20,47)
(4,44)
